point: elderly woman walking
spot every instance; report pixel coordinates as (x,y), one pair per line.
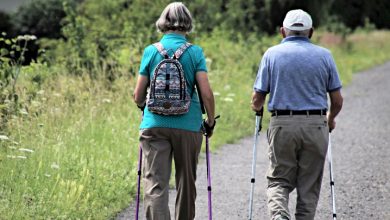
(172,134)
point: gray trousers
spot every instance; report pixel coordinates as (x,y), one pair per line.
(159,145)
(297,151)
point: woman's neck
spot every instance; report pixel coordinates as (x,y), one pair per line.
(176,32)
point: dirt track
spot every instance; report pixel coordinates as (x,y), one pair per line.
(361,162)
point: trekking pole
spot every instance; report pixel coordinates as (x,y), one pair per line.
(139,176)
(205,129)
(208,178)
(138,182)
(331,177)
(259,116)
(205,132)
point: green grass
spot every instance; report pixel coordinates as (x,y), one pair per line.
(83,136)
(83,159)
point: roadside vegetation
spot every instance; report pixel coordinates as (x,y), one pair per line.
(69,129)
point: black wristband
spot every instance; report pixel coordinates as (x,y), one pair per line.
(142,108)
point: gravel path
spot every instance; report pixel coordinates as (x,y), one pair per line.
(361,162)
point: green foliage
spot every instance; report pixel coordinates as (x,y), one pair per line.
(98,32)
(41,18)
(11,61)
(334,25)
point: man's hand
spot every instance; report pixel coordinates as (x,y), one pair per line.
(331,124)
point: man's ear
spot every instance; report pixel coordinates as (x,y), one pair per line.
(282,32)
(311,32)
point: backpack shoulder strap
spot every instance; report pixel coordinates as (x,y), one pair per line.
(161,49)
(181,50)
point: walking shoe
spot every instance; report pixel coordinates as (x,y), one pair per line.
(281,217)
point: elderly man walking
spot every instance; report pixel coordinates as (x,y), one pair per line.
(298,76)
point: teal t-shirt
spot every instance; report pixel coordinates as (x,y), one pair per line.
(192,61)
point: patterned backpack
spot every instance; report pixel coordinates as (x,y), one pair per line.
(168,93)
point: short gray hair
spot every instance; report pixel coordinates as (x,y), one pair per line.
(175,17)
(304,33)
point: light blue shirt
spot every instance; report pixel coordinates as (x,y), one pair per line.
(193,61)
(297,75)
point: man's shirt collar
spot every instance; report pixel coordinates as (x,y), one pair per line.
(295,38)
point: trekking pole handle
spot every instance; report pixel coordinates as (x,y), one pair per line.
(260,113)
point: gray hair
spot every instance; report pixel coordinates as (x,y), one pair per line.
(304,33)
(175,17)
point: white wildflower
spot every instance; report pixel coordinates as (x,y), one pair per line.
(20,37)
(35,103)
(4,138)
(227,99)
(26,150)
(26,37)
(23,111)
(106,101)
(55,166)
(32,37)
(47,175)
(217,93)
(209,60)
(16,157)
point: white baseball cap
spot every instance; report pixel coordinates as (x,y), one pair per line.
(297,20)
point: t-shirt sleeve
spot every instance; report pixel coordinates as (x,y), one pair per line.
(201,61)
(334,82)
(262,82)
(144,68)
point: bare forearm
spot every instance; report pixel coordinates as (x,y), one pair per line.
(258,100)
(139,100)
(207,96)
(209,104)
(336,103)
(334,110)
(139,95)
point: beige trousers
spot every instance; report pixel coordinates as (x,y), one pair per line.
(159,145)
(297,151)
